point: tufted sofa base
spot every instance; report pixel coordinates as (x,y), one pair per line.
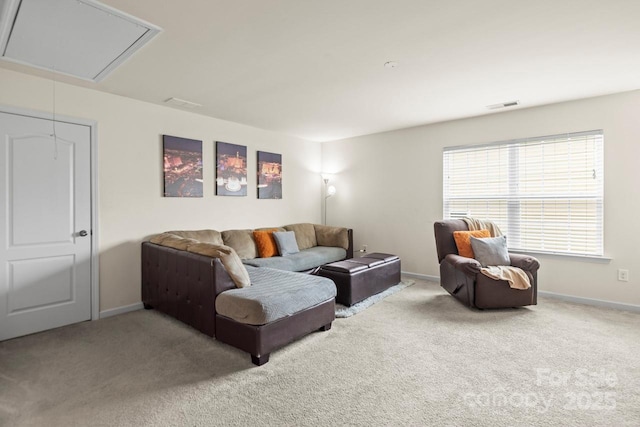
(185,286)
(261,340)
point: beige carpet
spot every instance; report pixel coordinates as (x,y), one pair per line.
(417,358)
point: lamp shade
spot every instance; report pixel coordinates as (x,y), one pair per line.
(331,190)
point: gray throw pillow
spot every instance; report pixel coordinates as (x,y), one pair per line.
(491,250)
(286,242)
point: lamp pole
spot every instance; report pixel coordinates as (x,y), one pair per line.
(329,190)
(324,217)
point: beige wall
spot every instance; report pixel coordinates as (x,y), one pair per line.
(131,206)
(390,189)
(389,185)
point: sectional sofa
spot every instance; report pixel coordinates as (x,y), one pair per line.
(217,283)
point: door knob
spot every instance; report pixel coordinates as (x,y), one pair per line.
(82,233)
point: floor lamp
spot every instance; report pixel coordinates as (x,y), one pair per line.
(329,190)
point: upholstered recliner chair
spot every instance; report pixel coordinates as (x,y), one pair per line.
(461,276)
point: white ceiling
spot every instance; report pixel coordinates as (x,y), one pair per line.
(315,69)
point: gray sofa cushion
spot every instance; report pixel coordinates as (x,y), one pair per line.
(303,260)
(273,295)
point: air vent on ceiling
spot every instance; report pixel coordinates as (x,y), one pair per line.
(80,38)
(177,102)
(503,105)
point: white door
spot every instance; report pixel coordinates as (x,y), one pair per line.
(45,224)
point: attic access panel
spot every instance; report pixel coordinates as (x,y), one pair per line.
(81,38)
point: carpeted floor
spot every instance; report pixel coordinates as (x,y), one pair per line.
(416,358)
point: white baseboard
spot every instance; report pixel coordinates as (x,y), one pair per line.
(591,301)
(569,298)
(420,276)
(121,310)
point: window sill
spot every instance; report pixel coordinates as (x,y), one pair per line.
(588,258)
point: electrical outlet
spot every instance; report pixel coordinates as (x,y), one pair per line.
(623,275)
(364,249)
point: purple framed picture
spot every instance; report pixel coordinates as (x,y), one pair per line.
(231,169)
(269,175)
(182,167)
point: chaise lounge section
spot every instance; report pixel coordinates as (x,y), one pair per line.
(278,307)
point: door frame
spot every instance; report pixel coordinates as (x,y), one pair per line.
(93,149)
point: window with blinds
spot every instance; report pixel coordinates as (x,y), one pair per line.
(545,193)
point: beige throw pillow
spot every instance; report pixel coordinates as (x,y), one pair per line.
(229,258)
(242,242)
(158,238)
(305,235)
(270,229)
(172,241)
(204,236)
(332,236)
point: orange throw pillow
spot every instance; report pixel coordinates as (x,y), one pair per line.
(266,244)
(463,241)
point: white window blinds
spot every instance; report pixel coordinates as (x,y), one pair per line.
(545,193)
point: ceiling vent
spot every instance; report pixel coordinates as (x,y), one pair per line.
(80,38)
(503,105)
(177,102)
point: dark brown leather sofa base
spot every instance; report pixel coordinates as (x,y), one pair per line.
(261,340)
(359,278)
(185,285)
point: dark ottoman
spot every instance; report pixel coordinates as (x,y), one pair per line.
(359,278)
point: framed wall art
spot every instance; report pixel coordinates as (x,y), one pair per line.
(269,175)
(231,169)
(182,167)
